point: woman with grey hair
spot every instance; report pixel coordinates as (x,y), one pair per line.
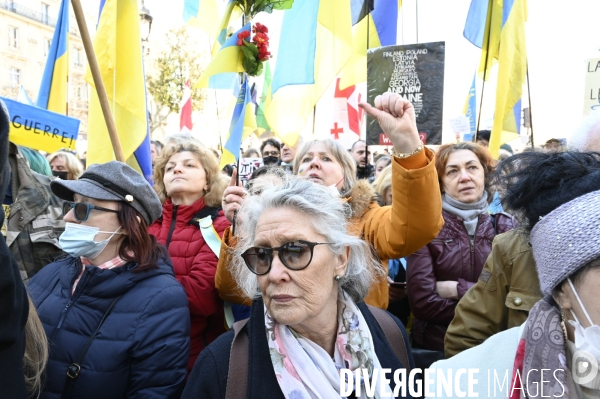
(308,277)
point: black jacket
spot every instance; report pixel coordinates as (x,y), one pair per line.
(209,376)
(14,307)
(365,172)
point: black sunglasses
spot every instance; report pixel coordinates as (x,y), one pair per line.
(295,255)
(81,210)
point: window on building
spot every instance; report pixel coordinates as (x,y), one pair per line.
(45,12)
(13,37)
(47,44)
(78,60)
(14,77)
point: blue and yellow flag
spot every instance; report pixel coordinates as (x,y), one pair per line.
(502,41)
(306,67)
(470,108)
(228,59)
(378,28)
(243,123)
(54,88)
(261,120)
(118,48)
(202,14)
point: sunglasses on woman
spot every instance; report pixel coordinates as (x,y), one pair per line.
(81,210)
(295,255)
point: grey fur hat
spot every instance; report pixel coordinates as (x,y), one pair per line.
(113,181)
(566,239)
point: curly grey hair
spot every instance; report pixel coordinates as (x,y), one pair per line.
(327,214)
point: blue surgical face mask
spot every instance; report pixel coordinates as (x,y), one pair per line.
(78,240)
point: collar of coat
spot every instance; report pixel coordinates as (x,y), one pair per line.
(360,197)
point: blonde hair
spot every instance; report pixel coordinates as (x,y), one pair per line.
(36,352)
(340,154)
(216,181)
(383,182)
(74,165)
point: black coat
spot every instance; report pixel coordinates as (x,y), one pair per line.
(209,376)
(14,307)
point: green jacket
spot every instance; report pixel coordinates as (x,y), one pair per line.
(35,220)
(507,289)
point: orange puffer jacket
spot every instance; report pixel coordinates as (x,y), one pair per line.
(395,231)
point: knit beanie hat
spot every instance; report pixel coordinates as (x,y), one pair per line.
(566,239)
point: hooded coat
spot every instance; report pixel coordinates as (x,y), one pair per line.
(142,348)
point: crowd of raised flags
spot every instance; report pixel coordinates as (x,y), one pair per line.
(320,42)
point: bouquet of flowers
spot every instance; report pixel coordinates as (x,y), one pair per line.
(255,46)
(256,51)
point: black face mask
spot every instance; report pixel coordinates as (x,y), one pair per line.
(60,174)
(270,160)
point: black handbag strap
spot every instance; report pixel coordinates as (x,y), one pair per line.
(237,376)
(392,334)
(74,369)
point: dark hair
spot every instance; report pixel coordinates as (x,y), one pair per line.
(228,169)
(533,184)
(157,144)
(138,245)
(484,135)
(482,154)
(271,142)
(355,143)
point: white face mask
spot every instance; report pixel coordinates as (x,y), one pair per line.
(586,339)
(78,240)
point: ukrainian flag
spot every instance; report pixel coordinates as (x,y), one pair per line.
(470,108)
(118,49)
(53,90)
(227,60)
(501,36)
(315,44)
(202,14)
(378,28)
(243,123)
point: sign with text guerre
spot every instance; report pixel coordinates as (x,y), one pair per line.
(40,129)
(416,72)
(591,98)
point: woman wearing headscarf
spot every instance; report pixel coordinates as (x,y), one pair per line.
(116,318)
(308,277)
(413,219)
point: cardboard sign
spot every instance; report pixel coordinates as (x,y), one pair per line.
(460,124)
(247,167)
(416,72)
(591,98)
(40,129)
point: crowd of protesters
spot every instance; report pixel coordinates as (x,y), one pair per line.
(198,286)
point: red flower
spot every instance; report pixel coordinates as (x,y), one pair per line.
(260,28)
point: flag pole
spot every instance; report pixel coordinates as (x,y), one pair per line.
(529,98)
(487,56)
(93,62)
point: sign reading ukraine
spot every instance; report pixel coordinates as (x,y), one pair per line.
(40,129)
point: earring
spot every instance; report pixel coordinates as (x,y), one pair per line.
(562,324)
(337,278)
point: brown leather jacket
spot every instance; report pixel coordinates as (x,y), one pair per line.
(395,231)
(449,257)
(507,289)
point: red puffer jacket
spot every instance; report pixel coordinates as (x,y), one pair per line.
(195,266)
(449,257)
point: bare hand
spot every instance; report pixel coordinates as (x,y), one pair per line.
(447,289)
(396,117)
(396,293)
(233,197)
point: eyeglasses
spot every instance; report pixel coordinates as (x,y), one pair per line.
(295,255)
(270,153)
(81,210)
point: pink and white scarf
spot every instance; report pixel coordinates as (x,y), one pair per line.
(305,370)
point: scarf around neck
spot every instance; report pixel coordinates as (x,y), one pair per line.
(305,370)
(468,212)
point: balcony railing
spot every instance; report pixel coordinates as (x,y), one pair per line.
(28,12)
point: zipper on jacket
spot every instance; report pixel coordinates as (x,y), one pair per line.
(172,227)
(74,297)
